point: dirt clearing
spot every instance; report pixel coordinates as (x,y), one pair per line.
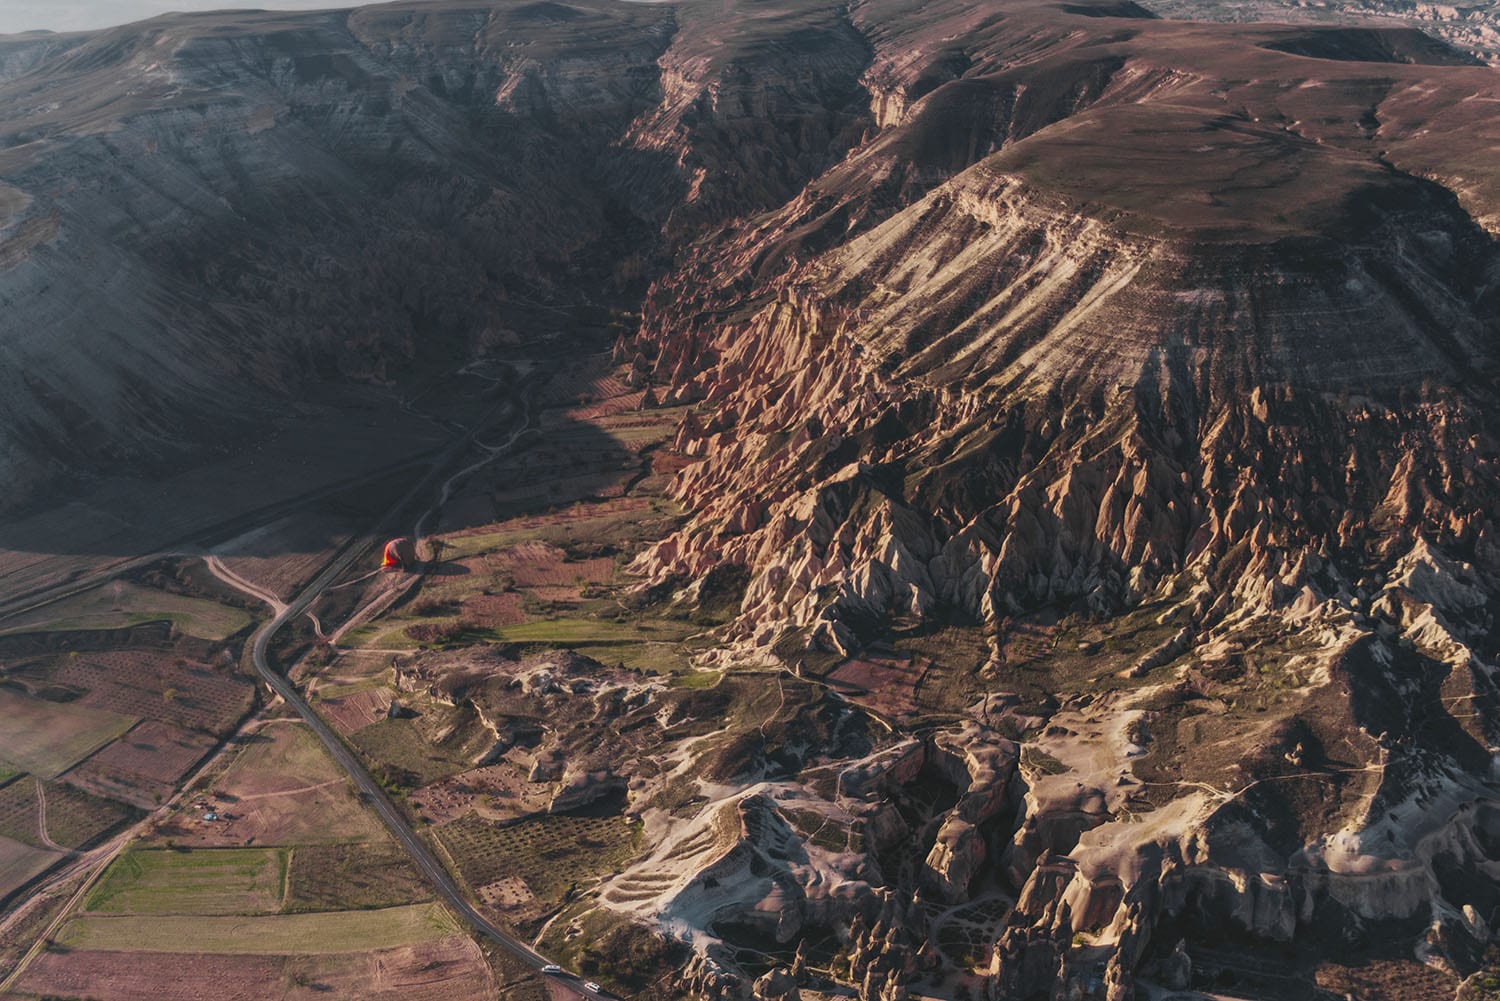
(280,789)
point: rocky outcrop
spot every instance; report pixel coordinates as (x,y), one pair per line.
(777,985)
(980,763)
(579,789)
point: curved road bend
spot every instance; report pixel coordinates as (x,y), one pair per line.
(434,870)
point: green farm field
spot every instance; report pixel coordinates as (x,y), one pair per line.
(269,934)
(205,882)
(48,738)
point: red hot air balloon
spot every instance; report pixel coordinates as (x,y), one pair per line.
(400,554)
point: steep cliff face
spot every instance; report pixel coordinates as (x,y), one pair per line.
(209,213)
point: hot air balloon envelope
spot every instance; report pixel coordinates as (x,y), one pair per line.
(400,554)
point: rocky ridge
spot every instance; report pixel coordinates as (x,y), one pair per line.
(956,382)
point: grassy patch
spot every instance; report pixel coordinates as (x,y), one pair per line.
(270,934)
(550,853)
(403,757)
(353,877)
(1040,761)
(48,738)
(206,881)
(638,644)
(121,603)
(697,679)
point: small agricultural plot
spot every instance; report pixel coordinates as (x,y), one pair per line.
(19,817)
(353,877)
(48,738)
(550,853)
(538,564)
(206,881)
(143,767)
(158,685)
(268,934)
(347,713)
(74,818)
(20,863)
(121,603)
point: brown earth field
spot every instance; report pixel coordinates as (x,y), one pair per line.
(351,712)
(143,767)
(886,685)
(431,971)
(280,788)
